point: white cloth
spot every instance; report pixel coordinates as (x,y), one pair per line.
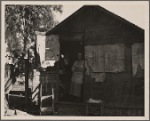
(114,58)
(95,57)
(48,49)
(137,56)
(40,47)
(106,58)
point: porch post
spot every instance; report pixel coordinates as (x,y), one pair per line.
(26,84)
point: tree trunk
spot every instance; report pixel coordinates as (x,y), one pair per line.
(26,84)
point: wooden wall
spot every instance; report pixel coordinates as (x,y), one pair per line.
(95,26)
(118,89)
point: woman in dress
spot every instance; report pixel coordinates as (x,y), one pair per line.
(77,77)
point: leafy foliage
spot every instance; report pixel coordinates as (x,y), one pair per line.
(21,22)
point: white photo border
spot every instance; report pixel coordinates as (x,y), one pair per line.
(146,117)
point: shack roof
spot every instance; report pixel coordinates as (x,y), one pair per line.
(99,20)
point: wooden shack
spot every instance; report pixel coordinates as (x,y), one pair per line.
(114,49)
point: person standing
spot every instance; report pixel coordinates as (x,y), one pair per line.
(77,77)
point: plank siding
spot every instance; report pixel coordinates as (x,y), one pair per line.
(94,25)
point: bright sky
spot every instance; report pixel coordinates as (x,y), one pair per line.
(134,11)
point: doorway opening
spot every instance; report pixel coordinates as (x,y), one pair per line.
(69,51)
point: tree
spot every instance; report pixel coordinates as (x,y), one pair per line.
(23,20)
(21,23)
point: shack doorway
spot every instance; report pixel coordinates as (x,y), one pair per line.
(69,51)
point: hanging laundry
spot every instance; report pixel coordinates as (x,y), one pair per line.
(52,48)
(139,71)
(114,58)
(40,47)
(95,57)
(48,49)
(106,58)
(137,57)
